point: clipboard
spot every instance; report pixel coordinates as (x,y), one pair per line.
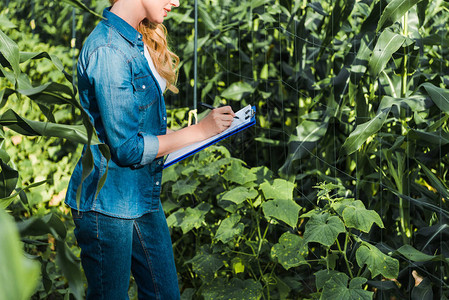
(246,118)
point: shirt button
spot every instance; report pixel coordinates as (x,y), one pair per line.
(143,86)
(141,52)
(159,162)
(164,118)
(157,182)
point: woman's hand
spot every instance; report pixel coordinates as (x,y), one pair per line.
(218,120)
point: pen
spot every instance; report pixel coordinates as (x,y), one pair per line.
(205,105)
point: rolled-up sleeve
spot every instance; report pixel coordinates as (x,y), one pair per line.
(110,76)
(150,150)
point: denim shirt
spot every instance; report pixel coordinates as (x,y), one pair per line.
(125,104)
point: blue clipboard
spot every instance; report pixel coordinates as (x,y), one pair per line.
(247,118)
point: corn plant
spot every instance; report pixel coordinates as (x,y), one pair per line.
(29,108)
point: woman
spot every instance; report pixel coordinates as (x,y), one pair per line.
(123,69)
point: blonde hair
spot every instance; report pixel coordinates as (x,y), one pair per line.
(165,61)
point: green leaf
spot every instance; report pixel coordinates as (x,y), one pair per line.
(363,131)
(387,44)
(322,276)
(54,93)
(8,179)
(205,264)
(280,189)
(206,19)
(282,209)
(434,181)
(79,4)
(6,23)
(394,11)
(48,224)
(19,275)
(185,186)
(181,18)
(240,194)
(340,12)
(10,51)
(414,255)
(337,288)
(5,202)
(290,251)
(236,90)
(229,228)
(238,265)
(71,269)
(74,133)
(308,134)
(263,174)
(360,218)
(323,229)
(264,71)
(439,96)
(422,11)
(377,262)
(2,94)
(436,138)
(360,63)
(170,174)
(257,3)
(9,75)
(201,42)
(235,289)
(355,215)
(189,218)
(316,6)
(24,56)
(415,103)
(239,174)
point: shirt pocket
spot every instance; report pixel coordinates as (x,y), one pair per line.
(145,92)
(147,97)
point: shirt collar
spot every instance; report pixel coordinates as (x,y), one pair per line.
(125,30)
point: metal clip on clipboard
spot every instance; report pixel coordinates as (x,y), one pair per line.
(249,114)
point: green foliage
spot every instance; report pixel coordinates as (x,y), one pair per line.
(377,262)
(38,103)
(232,235)
(324,229)
(290,251)
(22,273)
(353,93)
(336,287)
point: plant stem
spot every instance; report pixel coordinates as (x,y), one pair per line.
(405,226)
(242,253)
(262,239)
(261,278)
(404,69)
(344,254)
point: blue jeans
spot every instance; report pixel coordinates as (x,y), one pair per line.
(112,248)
